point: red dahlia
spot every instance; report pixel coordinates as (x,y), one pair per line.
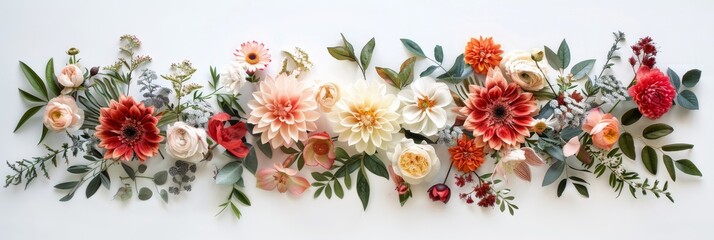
(499,113)
(653,92)
(127,128)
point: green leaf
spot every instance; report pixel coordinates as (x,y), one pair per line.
(145,194)
(691,78)
(348,46)
(251,161)
(553,173)
(627,145)
(553,59)
(413,47)
(318,192)
(363,188)
(43,135)
(78,169)
(439,54)
(688,167)
(93,186)
(230,173)
(348,180)
(366,55)
(376,166)
(142,168)
(160,177)
(66,185)
(241,197)
(328,191)
(235,211)
(27,115)
(687,99)
(428,71)
(339,192)
(657,130)
(649,158)
(555,152)
(389,76)
(265,148)
(631,116)
(164,195)
(340,153)
(34,80)
(29,97)
(340,53)
(106,181)
(582,189)
(677,147)
(319,177)
(50,78)
(129,171)
(674,78)
(669,165)
(564,53)
(300,162)
(406,72)
(561,186)
(581,69)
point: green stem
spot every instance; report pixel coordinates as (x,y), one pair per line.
(449,172)
(546,78)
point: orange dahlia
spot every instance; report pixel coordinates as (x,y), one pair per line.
(482,54)
(499,113)
(127,128)
(467,155)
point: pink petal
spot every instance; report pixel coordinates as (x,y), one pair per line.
(297,185)
(532,158)
(572,147)
(265,178)
(522,171)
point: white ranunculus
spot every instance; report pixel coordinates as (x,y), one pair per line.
(186,142)
(233,77)
(521,69)
(62,113)
(427,106)
(70,78)
(415,163)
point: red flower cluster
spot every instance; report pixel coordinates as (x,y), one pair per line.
(231,137)
(653,92)
(645,51)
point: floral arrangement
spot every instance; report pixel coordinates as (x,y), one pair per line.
(499,113)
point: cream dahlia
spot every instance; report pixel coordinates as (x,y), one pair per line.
(366,117)
(127,128)
(283,110)
(499,113)
(425,106)
(253,55)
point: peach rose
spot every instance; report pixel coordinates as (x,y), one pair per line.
(604,128)
(70,78)
(327,96)
(62,113)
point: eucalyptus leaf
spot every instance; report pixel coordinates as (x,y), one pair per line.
(553,173)
(649,159)
(145,194)
(429,70)
(413,47)
(691,77)
(439,53)
(656,131)
(687,99)
(674,78)
(230,173)
(564,53)
(553,59)
(160,177)
(164,195)
(581,69)
(688,167)
(142,168)
(556,153)
(251,161)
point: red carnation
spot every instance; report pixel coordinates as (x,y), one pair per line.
(653,92)
(231,137)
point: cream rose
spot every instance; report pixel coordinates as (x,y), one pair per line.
(62,113)
(70,78)
(186,142)
(521,69)
(415,163)
(327,96)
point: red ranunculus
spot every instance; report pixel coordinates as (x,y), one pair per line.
(231,137)
(653,92)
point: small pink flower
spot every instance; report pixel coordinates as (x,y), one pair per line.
(282,178)
(518,162)
(319,150)
(604,128)
(253,55)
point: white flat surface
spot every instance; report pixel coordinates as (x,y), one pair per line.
(207,32)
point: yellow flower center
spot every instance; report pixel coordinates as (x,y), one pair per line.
(367,117)
(610,136)
(252,58)
(539,127)
(56,115)
(425,103)
(414,164)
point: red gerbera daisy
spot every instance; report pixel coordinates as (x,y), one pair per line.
(127,128)
(499,113)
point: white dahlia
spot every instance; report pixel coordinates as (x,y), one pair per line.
(366,116)
(426,106)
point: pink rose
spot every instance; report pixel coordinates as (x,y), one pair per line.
(604,128)
(70,78)
(62,113)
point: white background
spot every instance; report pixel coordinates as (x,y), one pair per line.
(209,31)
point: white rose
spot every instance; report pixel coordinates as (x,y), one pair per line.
(327,96)
(62,113)
(521,69)
(186,142)
(70,78)
(234,77)
(415,163)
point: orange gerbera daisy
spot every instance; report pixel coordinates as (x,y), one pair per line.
(467,155)
(482,54)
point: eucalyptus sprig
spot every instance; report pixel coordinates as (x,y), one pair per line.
(458,71)
(347,52)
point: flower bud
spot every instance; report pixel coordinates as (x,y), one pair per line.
(72,51)
(439,192)
(537,55)
(289,161)
(93,71)
(403,188)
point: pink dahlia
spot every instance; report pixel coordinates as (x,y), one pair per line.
(653,92)
(500,113)
(283,110)
(127,128)
(253,55)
